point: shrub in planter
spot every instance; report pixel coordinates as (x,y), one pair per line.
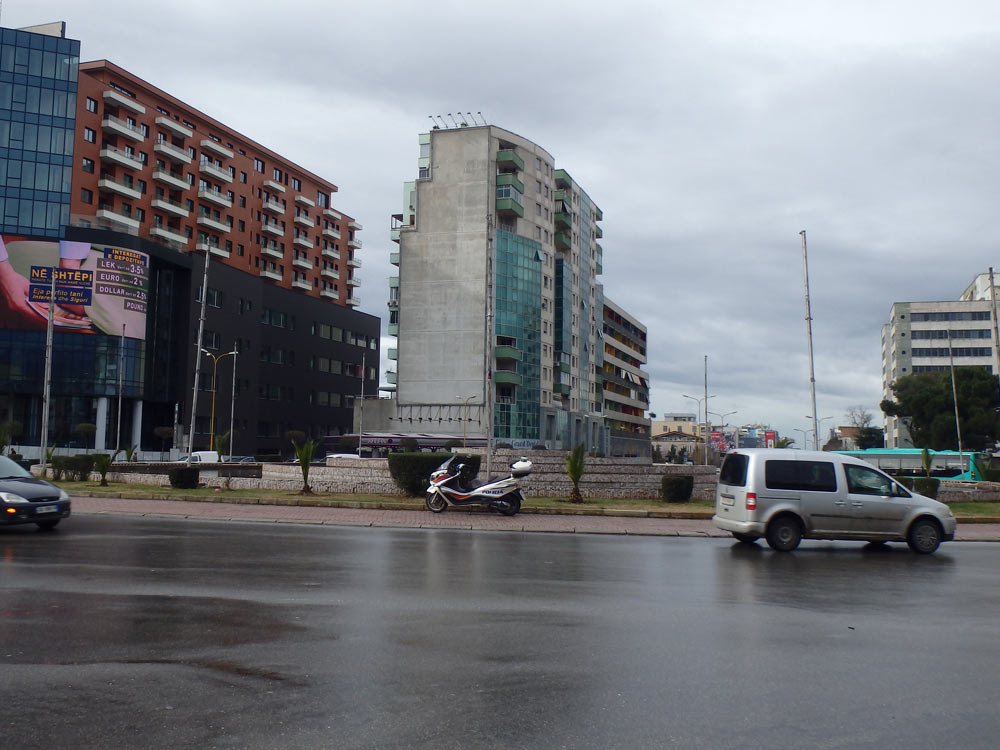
(81,465)
(183,477)
(906,482)
(676,489)
(926,486)
(410,471)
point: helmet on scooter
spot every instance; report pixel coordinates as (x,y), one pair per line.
(520,468)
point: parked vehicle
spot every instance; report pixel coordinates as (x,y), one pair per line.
(28,499)
(448,486)
(789,495)
(202,457)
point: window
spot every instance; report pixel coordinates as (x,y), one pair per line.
(811,476)
(258,165)
(864,481)
(276,174)
(296,184)
(90,135)
(88,165)
(91,104)
(87,196)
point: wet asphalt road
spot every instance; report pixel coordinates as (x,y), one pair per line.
(153,633)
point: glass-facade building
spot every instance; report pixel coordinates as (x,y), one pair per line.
(38,85)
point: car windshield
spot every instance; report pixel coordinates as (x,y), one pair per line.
(9,469)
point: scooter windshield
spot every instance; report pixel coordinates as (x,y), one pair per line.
(445,465)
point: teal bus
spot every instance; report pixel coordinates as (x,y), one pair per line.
(909,462)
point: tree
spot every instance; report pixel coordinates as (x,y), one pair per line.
(304,452)
(85,430)
(925,403)
(164,433)
(574,470)
(672,455)
(102,462)
(784,442)
(858,416)
(870,437)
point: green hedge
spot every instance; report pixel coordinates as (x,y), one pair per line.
(926,486)
(906,482)
(411,471)
(183,477)
(677,489)
(73,468)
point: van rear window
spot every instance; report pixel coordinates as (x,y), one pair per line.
(809,476)
(734,470)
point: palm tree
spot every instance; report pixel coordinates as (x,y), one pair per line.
(574,470)
(305,453)
(785,442)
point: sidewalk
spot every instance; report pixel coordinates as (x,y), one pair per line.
(422,519)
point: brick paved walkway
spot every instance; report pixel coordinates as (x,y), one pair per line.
(421,519)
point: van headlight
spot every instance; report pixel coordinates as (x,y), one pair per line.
(63,495)
(12,498)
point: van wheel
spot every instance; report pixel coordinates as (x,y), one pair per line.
(784,533)
(924,536)
(745,538)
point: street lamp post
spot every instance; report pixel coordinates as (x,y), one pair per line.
(465,419)
(805,437)
(700,400)
(215,366)
(722,422)
(816,428)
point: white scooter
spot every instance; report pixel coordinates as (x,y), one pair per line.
(502,495)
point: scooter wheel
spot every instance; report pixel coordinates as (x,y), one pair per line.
(435,503)
(509,505)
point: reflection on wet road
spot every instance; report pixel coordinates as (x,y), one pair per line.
(161,633)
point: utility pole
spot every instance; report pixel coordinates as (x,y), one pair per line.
(996,330)
(47,385)
(197,350)
(809,335)
(707,443)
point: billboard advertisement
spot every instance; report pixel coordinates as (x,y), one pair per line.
(97,288)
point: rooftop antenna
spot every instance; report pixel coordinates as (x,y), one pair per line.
(471,117)
(483,116)
(453,123)
(431,118)
(461,119)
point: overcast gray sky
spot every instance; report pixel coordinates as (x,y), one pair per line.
(708,132)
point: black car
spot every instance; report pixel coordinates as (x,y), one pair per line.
(27,499)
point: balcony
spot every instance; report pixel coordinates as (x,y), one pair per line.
(207,144)
(303,285)
(304,201)
(356,244)
(215,196)
(392,353)
(168,235)
(394,235)
(267,273)
(508,159)
(510,179)
(111,124)
(563,241)
(174,127)
(174,179)
(563,195)
(203,246)
(563,180)
(331,214)
(392,329)
(271,251)
(354,262)
(214,170)
(112,155)
(302,262)
(218,225)
(394,259)
(273,206)
(331,232)
(561,388)
(393,304)
(273,229)
(390,378)
(353,282)
(506,376)
(304,221)
(329,294)
(303,242)
(598,214)
(131,225)
(564,220)
(170,207)
(508,352)
(274,185)
(176,154)
(509,207)
(116,99)
(353,301)
(330,252)
(108,185)
(331,273)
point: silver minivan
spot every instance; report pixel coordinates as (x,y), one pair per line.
(789,495)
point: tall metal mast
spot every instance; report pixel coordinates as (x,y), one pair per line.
(809,334)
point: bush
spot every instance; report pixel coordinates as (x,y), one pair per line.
(183,477)
(410,471)
(74,468)
(676,489)
(906,482)
(410,445)
(926,486)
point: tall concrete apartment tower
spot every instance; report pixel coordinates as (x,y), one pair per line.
(498,264)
